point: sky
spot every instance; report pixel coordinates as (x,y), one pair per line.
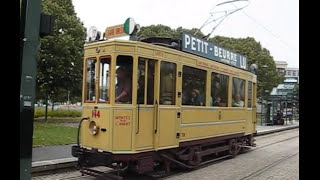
(273,23)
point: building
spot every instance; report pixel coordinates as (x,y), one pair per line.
(292,74)
(281,67)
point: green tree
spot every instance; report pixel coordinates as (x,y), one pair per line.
(155,31)
(60,59)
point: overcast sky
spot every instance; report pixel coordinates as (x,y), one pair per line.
(273,23)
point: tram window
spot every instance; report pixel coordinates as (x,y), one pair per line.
(193,86)
(249,94)
(141,81)
(238,92)
(150,81)
(219,90)
(254,95)
(167,83)
(124,80)
(104,77)
(147,74)
(90,80)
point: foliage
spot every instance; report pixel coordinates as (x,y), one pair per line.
(39,112)
(165,31)
(60,59)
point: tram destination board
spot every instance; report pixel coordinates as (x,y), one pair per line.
(212,51)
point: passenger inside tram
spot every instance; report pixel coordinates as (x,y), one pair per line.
(237,102)
(124,84)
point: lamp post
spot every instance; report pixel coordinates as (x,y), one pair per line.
(262,67)
(266,92)
(68,99)
(261,108)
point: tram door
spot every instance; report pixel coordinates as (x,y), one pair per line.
(146,108)
(166,116)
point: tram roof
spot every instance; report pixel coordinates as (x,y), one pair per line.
(157,45)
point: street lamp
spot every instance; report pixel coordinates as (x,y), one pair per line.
(68,99)
(266,91)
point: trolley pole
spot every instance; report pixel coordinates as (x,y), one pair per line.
(29,44)
(261,109)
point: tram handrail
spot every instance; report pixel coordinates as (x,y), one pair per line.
(138,123)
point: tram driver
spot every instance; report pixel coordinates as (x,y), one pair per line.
(124,88)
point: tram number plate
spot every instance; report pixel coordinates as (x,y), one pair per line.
(96,113)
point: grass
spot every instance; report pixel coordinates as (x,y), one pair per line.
(45,134)
(40,112)
(58,120)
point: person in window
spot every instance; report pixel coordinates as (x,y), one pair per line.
(217,101)
(195,99)
(124,88)
(211,101)
(237,102)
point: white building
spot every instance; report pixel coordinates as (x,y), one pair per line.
(291,74)
(281,66)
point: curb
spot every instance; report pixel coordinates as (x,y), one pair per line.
(269,131)
(41,166)
(49,165)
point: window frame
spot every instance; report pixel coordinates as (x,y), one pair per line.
(227,92)
(109,92)
(145,80)
(115,76)
(85,80)
(251,94)
(176,84)
(244,97)
(205,88)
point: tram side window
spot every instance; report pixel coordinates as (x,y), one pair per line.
(254,95)
(249,94)
(124,80)
(150,81)
(145,74)
(141,81)
(90,80)
(219,90)
(193,86)
(168,83)
(104,84)
(238,92)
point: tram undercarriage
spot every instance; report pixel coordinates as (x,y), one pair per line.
(189,155)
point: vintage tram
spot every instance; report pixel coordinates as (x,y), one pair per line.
(160,103)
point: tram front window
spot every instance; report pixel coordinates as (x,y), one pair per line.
(90,80)
(124,80)
(104,80)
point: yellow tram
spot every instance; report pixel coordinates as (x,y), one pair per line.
(148,106)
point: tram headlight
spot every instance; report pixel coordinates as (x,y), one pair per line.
(93,128)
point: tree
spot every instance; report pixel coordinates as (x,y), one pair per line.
(155,31)
(165,31)
(267,76)
(60,59)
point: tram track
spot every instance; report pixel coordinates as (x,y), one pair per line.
(247,151)
(177,173)
(266,168)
